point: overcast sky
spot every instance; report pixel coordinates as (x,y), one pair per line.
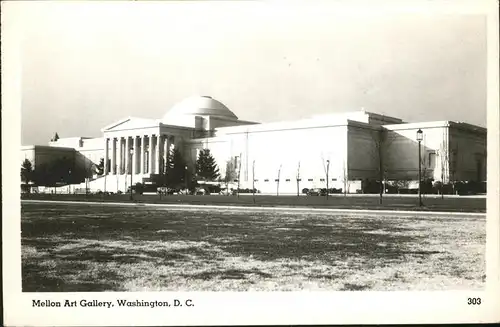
(87,65)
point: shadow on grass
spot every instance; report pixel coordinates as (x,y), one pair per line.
(228,274)
(354,287)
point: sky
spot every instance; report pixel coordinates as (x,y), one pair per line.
(86,65)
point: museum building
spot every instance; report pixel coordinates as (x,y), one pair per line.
(339,150)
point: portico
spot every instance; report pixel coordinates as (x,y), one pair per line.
(137,146)
(136,154)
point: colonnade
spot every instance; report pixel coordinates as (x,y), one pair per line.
(140,154)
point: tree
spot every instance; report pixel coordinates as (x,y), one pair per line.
(206,167)
(230,174)
(27,172)
(278,181)
(345,177)
(100,167)
(298,178)
(176,169)
(253,181)
(59,171)
(382,141)
(327,171)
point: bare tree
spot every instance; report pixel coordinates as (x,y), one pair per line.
(327,171)
(345,177)
(231,173)
(278,180)
(382,140)
(444,158)
(298,179)
(253,181)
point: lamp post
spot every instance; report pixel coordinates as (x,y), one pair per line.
(131,152)
(420,136)
(327,171)
(186,178)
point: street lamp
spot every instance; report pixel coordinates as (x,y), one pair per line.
(186,178)
(420,137)
(131,152)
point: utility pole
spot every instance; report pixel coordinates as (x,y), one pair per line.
(278,181)
(327,171)
(239,173)
(253,181)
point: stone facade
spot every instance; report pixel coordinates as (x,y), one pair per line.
(348,147)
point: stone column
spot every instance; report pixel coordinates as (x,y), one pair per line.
(166,149)
(113,156)
(106,156)
(143,150)
(134,156)
(119,156)
(128,164)
(157,154)
(150,156)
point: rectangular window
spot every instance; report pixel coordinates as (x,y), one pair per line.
(298,179)
(321,179)
(310,180)
(287,180)
(235,180)
(276,180)
(266,180)
(334,179)
(255,180)
(432,160)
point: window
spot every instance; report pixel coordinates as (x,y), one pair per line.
(321,179)
(287,180)
(255,180)
(432,159)
(235,180)
(310,180)
(266,180)
(334,179)
(298,179)
(276,180)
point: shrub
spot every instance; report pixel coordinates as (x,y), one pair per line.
(370,186)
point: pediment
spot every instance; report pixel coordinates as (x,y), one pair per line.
(130,123)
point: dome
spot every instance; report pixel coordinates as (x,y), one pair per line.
(200,106)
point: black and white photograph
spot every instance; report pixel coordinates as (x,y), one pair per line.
(210,148)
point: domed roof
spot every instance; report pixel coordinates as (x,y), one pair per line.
(200,106)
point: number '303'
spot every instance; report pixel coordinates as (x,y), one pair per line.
(474,301)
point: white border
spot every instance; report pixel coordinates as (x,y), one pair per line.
(259,307)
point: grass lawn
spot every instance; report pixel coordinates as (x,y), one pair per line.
(338,201)
(82,247)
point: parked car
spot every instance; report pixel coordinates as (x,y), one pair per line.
(228,192)
(201,191)
(316,192)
